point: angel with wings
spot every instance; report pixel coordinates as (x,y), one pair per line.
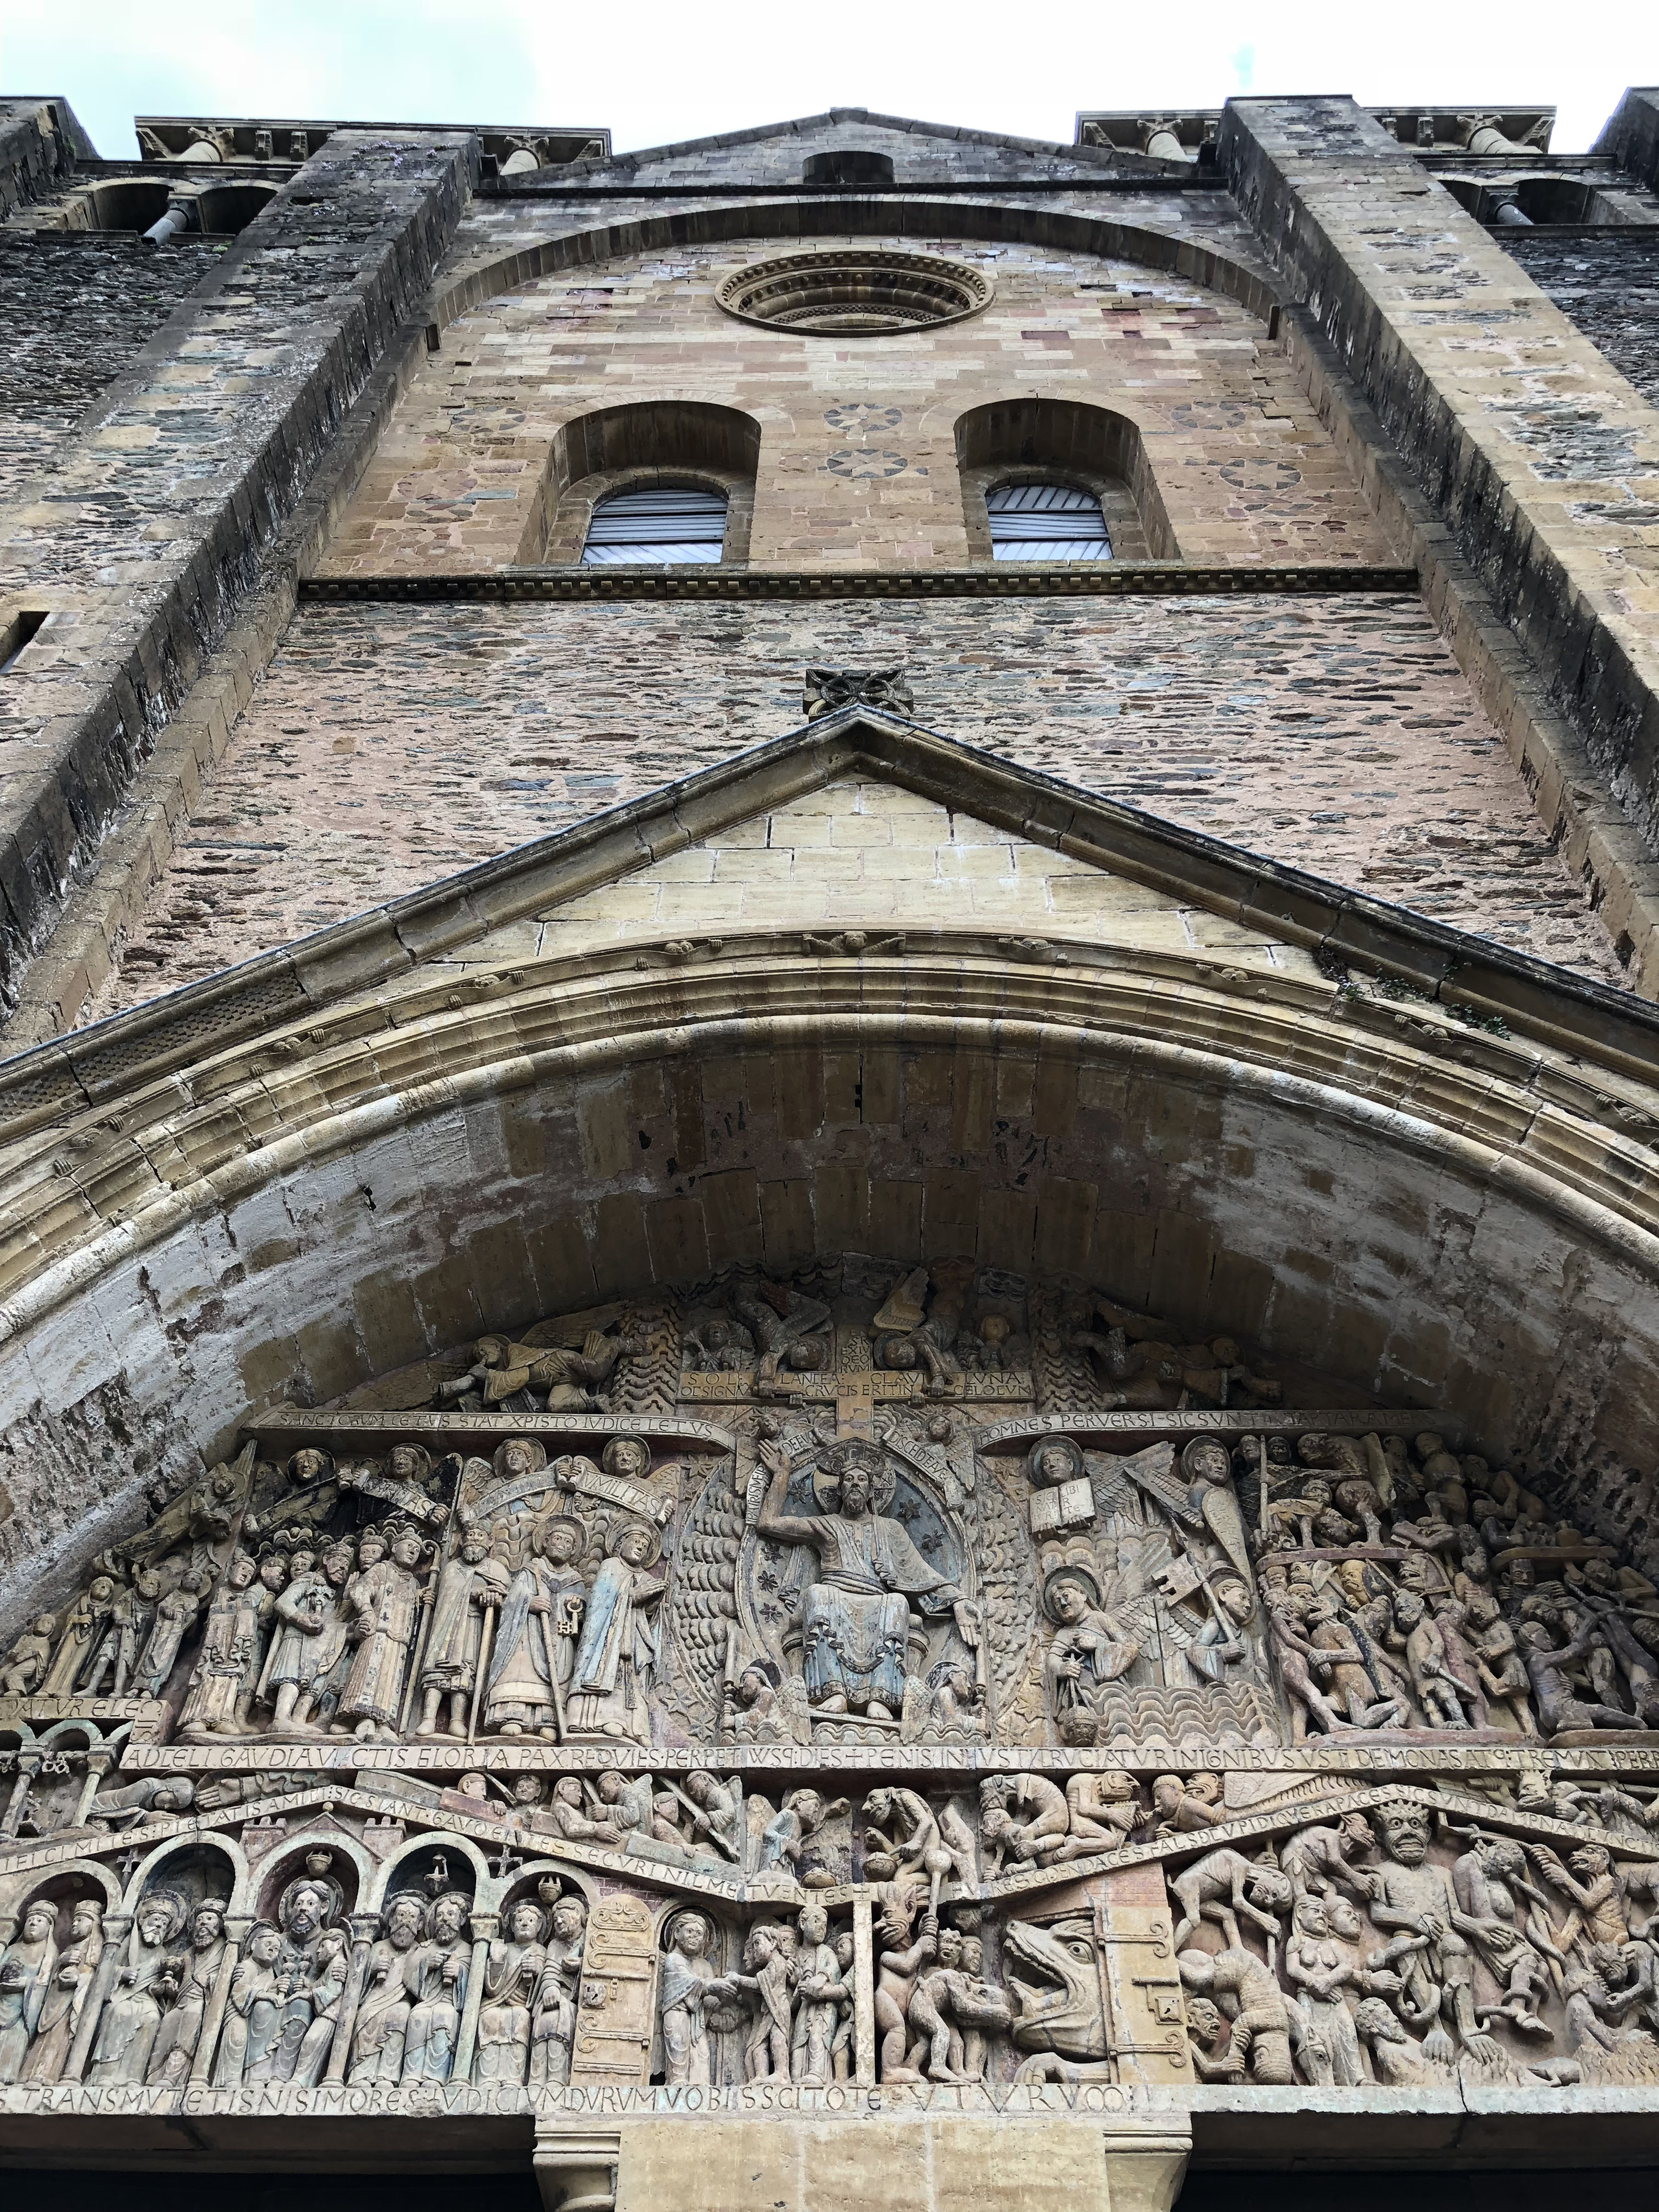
(573,1379)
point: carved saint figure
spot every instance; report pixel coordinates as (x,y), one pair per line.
(146,1985)
(1090,1650)
(253,2011)
(513,1973)
(688,1989)
(615,1659)
(435,1975)
(470,1581)
(27,1967)
(26,1663)
(173,1619)
(66,1995)
(384,1598)
(856,1615)
(126,1625)
(382,2022)
(302,1606)
(553,2030)
(83,1628)
(181,2027)
(228,1642)
(530,1666)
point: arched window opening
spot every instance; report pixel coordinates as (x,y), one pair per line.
(847,165)
(654,482)
(1561,200)
(1046,522)
(131,206)
(1058,480)
(656,526)
(223,209)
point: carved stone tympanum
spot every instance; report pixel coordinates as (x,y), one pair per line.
(887,1680)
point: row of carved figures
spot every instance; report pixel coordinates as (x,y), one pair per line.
(1378,1949)
(1407,1587)
(1394,1586)
(304,1996)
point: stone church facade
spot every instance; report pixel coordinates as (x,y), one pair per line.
(828,1212)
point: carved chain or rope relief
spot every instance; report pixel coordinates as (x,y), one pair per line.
(879,1680)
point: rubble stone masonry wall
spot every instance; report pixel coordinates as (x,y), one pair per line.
(391,745)
(78,310)
(1607,280)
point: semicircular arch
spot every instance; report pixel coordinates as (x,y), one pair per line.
(1100,237)
(1408,1207)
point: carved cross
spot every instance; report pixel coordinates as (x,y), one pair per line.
(506,1862)
(125,1863)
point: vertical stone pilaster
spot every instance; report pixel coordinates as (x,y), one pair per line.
(1543,459)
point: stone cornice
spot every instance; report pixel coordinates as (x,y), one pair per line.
(1013,581)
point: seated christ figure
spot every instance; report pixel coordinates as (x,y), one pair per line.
(856,1619)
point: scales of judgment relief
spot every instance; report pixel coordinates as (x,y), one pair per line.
(923,1687)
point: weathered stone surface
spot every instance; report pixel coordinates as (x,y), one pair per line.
(78,309)
(389,744)
(1608,283)
(1547,484)
(148,531)
(859,1481)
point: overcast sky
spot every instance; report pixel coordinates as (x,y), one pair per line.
(655,71)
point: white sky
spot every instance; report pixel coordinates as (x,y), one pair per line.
(655,71)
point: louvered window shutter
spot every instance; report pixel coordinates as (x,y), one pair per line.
(1046,522)
(655,526)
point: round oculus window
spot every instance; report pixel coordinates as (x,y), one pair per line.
(857,291)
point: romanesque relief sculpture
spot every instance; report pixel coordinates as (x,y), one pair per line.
(26,1974)
(50,2010)
(145,1987)
(689,1992)
(900,1679)
(1408,1590)
(1147,1593)
(911,1518)
(855,1616)
(470,1589)
(1404,1947)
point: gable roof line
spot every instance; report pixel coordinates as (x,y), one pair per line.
(1547,1003)
(794,126)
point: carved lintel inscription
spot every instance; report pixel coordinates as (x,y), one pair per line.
(1218,1421)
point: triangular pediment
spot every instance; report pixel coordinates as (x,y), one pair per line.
(911,143)
(858,821)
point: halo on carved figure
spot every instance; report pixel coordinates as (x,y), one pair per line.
(1069,1449)
(1200,1448)
(614,1451)
(537,1456)
(323,1885)
(672,1926)
(632,1525)
(854,291)
(1074,1574)
(309,1466)
(551,1521)
(165,1899)
(853,1451)
(418,1453)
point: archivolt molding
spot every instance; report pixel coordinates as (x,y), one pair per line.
(79,1199)
(820,217)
